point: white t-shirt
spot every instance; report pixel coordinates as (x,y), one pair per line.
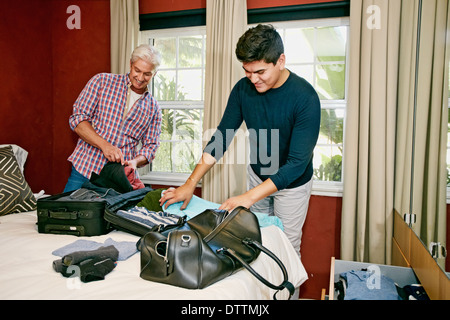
(133,97)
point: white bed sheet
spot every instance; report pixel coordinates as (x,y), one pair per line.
(26,270)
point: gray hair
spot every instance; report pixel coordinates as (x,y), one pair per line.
(147,53)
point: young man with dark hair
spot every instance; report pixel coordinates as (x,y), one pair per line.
(282,110)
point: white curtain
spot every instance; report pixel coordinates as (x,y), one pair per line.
(124,33)
(226,21)
(380,123)
(429,134)
(369,152)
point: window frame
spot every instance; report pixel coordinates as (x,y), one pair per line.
(321,188)
(172,178)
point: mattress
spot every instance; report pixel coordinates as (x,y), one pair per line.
(26,270)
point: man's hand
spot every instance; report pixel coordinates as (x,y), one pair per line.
(250,197)
(186,191)
(137,162)
(234,202)
(86,132)
(172,195)
(112,153)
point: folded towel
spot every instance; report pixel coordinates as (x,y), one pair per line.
(197,205)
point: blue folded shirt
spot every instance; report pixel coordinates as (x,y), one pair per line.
(365,285)
(197,205)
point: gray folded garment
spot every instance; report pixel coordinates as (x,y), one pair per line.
(103,252)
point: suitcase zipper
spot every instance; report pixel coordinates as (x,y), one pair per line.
(166,257)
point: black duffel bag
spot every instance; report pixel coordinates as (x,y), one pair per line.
(206,249)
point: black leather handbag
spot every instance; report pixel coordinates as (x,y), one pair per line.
(206,249)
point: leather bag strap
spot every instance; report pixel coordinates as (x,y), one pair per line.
(285,284)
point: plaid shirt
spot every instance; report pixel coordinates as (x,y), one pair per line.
(102,102)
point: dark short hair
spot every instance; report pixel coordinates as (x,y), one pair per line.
(262,42)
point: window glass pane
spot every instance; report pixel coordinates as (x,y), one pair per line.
(165,85)
(186,156)
(191,51)
(304,71)
(331,44)
(328,163)
(167,124)
(190,85)
(189,124)
(330,81)
(331,127)
(168,49)
(299,45)
(163,159)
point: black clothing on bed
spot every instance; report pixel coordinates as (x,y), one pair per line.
(91,265)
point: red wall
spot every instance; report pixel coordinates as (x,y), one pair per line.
(44,67)
(77,56)
(26,88)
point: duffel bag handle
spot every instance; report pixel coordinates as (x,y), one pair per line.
(285,284)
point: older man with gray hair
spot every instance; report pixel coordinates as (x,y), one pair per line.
(112,115)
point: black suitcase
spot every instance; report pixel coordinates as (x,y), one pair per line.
(60,215)
(79,218)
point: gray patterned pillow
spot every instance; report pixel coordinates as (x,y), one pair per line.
(15,193)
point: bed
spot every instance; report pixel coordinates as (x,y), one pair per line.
(26,270)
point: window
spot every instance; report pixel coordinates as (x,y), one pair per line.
(315,50)
(179,89)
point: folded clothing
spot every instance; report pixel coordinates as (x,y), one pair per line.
(413,292)
(132,177)
(88,270)
(113,176)
(197,205)
(151,200)
(365,285)
(102,252)
(86,194)
(89,265)
(149,218)
(126,248)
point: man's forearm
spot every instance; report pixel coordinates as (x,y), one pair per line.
(86,132)
(207,161)
(140,161)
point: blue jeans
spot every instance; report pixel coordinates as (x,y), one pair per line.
(75,181)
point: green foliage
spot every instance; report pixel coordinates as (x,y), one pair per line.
(330,169)
(178,125)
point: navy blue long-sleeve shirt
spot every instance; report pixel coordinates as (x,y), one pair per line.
(283,126)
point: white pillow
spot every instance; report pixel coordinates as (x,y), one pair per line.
(20,154)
